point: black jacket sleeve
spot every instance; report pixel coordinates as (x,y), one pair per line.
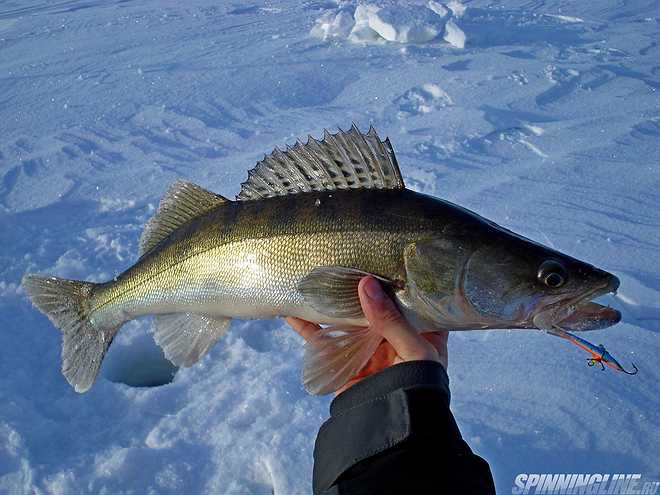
(393,432)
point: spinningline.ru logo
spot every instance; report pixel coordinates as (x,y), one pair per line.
(589,484)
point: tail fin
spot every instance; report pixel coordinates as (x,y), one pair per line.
(66,303)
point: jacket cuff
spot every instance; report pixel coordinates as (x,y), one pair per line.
(379,413)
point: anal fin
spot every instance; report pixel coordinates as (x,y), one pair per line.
(336,355)
(186,337)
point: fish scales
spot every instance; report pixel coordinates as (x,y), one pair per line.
(247,255)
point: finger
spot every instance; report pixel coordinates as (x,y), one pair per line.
(385,318)
(384,357)
(306,329)
(439,341)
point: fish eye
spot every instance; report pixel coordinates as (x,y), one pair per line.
(552,274)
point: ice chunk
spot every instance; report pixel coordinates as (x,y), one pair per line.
(454,35)
(364,11)
(438,8)
(361,31)
(414,24)
(457,8)
(392,21)
(331,25)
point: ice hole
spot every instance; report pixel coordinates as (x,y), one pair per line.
(139,363)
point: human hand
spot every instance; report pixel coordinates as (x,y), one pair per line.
(402,342)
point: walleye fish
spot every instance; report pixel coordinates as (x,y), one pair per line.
(307,225)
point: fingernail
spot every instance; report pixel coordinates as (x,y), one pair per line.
(374,290)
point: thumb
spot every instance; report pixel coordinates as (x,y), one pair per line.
(385,318)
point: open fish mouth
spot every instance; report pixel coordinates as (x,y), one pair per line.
(581,313)
(591,316)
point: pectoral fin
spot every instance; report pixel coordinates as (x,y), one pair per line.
(186,337)
(333,290)
(336,355)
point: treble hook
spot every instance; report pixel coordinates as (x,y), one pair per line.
(593,361)
(598,353)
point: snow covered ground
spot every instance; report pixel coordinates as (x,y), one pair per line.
(547,121)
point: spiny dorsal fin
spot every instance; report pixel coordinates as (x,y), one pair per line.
(182,202)
(345,160)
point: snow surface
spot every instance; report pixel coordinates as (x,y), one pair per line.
(543,123)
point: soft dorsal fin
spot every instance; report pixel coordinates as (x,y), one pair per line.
(182,202)
(345,160)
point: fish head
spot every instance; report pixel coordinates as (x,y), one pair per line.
(517,283)
(503,280)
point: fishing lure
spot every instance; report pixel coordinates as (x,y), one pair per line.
(598,353)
